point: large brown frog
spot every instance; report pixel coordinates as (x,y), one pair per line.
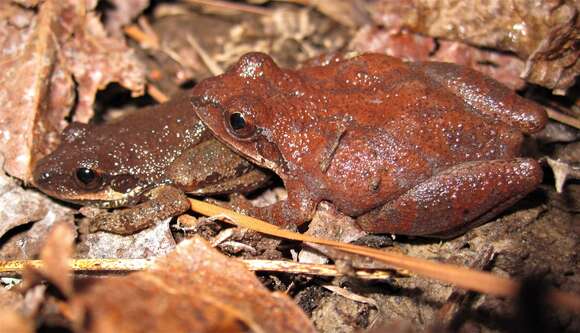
(147,161)
(406,148)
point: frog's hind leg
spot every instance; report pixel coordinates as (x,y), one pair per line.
(459,198)
(486,95)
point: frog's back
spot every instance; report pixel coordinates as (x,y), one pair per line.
(144,142)
(378,91)
(399,128)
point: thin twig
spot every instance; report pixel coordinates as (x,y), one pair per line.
(130,265)
(146,40)
(562,118)
(350,295)
(213,67)
(157,94)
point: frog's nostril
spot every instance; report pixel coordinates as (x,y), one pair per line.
(42,177)
(196,101)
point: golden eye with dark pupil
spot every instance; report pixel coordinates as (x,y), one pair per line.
(237,121)
(86,176)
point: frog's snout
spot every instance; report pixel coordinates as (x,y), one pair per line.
(41,176)
(204,100)
(44,173)
(196,101)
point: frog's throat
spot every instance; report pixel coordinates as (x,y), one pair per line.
(108,198)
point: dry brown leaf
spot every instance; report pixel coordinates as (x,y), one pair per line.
(351,13)
(10,300)
(193,289)
(542,33)
(505,68)
(28,243)
(13,322)
(55,256)
(555,63)
(47,52)
(396,43)
(329,223)
(18,206)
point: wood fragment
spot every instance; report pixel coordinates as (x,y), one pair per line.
(350,295)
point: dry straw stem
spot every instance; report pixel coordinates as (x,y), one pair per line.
(213,67)
(129,265)
(157,94)
(147,40)
(564,119)
(456,275)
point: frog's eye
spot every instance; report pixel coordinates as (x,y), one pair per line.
(240,126)
(87,177)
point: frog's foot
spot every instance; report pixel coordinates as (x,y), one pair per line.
(295,210)
(457,199)
(486,96)
(164,202)
(240,204)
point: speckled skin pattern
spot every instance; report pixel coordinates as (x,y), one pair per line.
(407,148)
(147,159)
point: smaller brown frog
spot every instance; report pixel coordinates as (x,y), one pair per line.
(146,160)
(406,148)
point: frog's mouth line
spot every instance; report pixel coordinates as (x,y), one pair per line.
(107,198)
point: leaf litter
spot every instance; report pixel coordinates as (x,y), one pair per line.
(192,289)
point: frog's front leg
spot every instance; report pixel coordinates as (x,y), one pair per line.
(297,209)
(457,199)
(163,202)
(210,168)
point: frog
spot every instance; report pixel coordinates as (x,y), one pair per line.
(411,148)
(146,162)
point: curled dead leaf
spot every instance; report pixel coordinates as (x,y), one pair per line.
(543,34)
(503,67)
